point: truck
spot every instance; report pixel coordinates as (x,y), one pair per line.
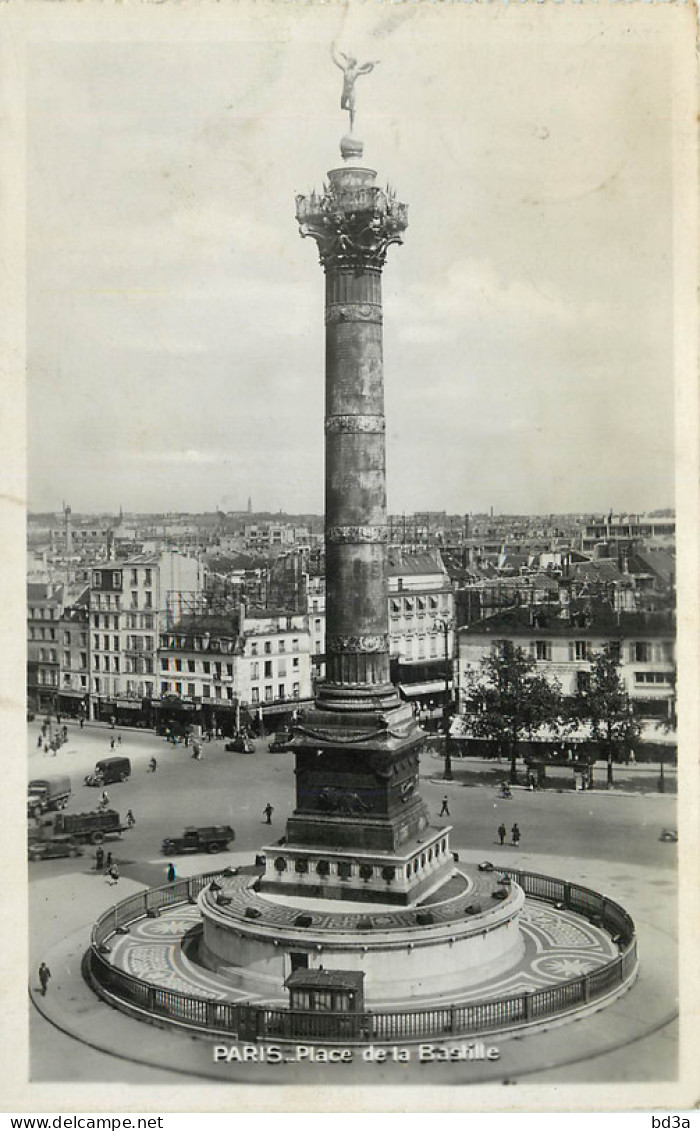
(52,792)
(204,838)
(78,827)
(109,770)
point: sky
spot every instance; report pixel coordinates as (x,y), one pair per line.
(175,317)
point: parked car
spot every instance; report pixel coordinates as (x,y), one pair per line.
(108,771)
(240,744)
(205,838)
(50,849)
(279,741)
(669,835)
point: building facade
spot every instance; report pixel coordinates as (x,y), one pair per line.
(129,604)
(44,612)
(562,640)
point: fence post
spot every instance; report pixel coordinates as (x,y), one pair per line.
(151,999)
(527,1005)
(567,893)
(586,988)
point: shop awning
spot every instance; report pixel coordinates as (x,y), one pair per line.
(432,687)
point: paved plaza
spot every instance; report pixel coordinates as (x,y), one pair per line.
(606,840)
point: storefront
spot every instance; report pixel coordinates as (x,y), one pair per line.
(72,704)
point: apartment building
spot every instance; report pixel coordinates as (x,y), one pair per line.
(275,665)
(129,604)
(562,638)
(44,612)
(421,626)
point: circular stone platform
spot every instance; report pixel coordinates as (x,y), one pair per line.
(558,945)
(464,934)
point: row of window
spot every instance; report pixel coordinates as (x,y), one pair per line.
(267,646)
(417,604)
(133,620)
(267,668)
(105,687)
(403,646)
(269,697)
(39,612)
(639,652)
(170,665)
(41,633)
(653,677)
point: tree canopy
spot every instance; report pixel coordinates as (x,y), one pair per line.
(508,698)
(606,706)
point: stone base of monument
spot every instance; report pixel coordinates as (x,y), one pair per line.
(465,933)
(402,877)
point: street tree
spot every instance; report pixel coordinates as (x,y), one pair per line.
(605,705)
(508,699)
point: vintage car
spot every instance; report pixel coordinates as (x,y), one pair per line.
(50,849)
(205,838)
(240,744)
(279,741)
(669,835)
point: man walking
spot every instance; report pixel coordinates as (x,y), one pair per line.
(113,875)
(502,833)
(99,858)
(44,975)
(268,811)
(515,834)
(171,873)
(445,811)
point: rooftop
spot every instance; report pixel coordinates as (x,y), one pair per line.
(584,618)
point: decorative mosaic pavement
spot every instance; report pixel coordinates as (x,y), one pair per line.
(558,946)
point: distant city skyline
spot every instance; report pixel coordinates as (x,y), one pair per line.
(658,512)
(175,336)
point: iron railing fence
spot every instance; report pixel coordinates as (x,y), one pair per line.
(258,1022)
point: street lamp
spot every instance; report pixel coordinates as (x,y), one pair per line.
(446,626)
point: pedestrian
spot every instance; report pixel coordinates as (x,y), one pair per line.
(268,811)
(39,742)
(502,833)
(65,733)
(130,819)
(111,743)
(187,740)
(119,740)
(44,975)
(99,859)
(112,721)
(152,766)
(108,861)
(515,834)
(44,728)
(113,875)
(445,811)
(104,800)
(82,722)
(171,873)
(58,720)
(46,748)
